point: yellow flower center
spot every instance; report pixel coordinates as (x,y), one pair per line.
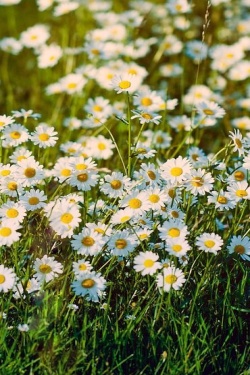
(241,125)
(159,139)
(43,137)
(66,218)
(209,243)
(195,157)
(120,243)
(176,171)
(71,85)
(238,142)
(2,123)
(239,175)
(132,71)
(143,236)
(95,52)
(12,185)
(147,116)
(88,241)
(170,279)
(148,263)
(5,172)
(33,201)
(81,166)
(239,249)
(208,112)
(197,181)
(2,279)
(15,135)
(115,184)
(221,199)
(151,175)
(97,108)
(174,214)
(82,267)
(135,203)
(241,193)
(88,283)
(29,172)
(99,230)
(172,193)
(154,198)
(174,232)
(45,268)
(146,102)
(83,177)
(125,218)
(65,172)
(177,248)
(124,85)
(11,213)
(5,232)
(101,146)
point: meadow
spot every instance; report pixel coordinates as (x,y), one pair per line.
(124,187)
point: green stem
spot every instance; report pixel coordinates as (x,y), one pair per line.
(129,137)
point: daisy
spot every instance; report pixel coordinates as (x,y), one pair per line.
(177,247)
(98,106)
(237,174)
(8,232)
(83,180)
(11,45)
(65,7)
(19,154)
(34,36)
(180,123)
(142,151)
(14,134)
(125,83)
(161,140)
(88,242)
(72,83)
(172,211)
(171,277)
(239,190)
(6,120)
(122,243)
(149,174)
(121,216)
(146,263)
(114,185)
(210,109)
(90,285)
(222,200)
(200,182)
(81,266)
(44,4)
(246,162)
(146,117)
(146,100)
(29,172)
(239,143)
(7,278)
(178,6)
(197,157)
(25,114)
(196,50)
(144,233)
(137,202)
(46,269)
(209,242)
(23,327)
(44,136)
(49,56)
(101,147)
(241,246)
(173,193)
(156,198)
(14,212)
(10,187)
(63,217)
(176,170)
(173,228)
(33,199)
(63,169)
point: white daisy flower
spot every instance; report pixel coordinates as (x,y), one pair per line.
(90,285)
(46,268)
(7,278)
(171,278)
(146,263)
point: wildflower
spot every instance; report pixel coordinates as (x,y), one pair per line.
(239,143)
(210,109)
(81,266)
(142,151)
(172,45)
(241,246)
(178,6)
(7,278)
(242,123)
(200,182)
(146,100)
(14,135)
(65,7)
(44,136)
(25,114)
(8,232)
(83,179)
(72,83)
(180,123)
(88,242)
(13,211)
(156,198)
(11,45)
(196,50)
(237,174)
(19,154)
(137,202)
(29,172)
(46,268)
(197,157)
(173,228)
(145,117)
(6,120)
(222,200)
(161,140)
(23,327)
(122,243)
(121,216)
(150,174)
(35,36)
(90,285)
(177,247)
(44,4)
(100,147)
(246,162)
(98,106)
(146,263)
(176,170)
(239,190)
(114,185)
(63,169)
(63,216)
(171,277)
(125,83)
(49,56)
(209,242)
(33,199)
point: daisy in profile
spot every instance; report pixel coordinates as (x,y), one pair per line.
(146,117)
(121,243)
(239,143)
(25,113)
(88,242)
(239,191)
(146,263)
(210,109)
(114,185)
(90,285)
(209,242)
(9,232)
(44,136)
(125,82)
(33,199)
(7,279)
(29,172)
(13,211)
(171,278)
(46,269)
(176,170)
(240,245)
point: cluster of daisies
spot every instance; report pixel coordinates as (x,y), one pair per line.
(157,211)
